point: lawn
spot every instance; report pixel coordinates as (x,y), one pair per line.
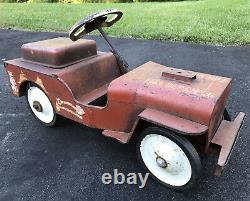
(207,21)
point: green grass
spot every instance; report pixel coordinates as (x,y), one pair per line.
(208,21)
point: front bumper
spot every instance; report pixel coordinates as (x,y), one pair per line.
(226,137)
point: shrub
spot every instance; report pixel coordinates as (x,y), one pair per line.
(8,1)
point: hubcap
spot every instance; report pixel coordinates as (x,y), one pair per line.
(165,160)
(40,104)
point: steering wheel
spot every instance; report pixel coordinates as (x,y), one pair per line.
(92,22)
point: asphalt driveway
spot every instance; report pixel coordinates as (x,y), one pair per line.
(68,161)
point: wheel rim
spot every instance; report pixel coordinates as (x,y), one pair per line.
(40,105)
(165,160)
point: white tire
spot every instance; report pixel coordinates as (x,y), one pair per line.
(171,159)
(40,105)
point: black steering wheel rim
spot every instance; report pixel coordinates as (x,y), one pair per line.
(94,21)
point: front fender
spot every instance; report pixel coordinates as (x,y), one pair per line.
(173,122)
(162,119)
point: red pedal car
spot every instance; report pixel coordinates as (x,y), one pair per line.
(169,112)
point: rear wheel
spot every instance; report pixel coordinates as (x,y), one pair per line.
(40,105)
(171,159)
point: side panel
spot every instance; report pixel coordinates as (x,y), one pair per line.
(59,95)
(114,116)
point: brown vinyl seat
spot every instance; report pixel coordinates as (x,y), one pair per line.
(58,52)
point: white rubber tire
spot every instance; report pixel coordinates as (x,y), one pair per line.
(171,159)
(47,116)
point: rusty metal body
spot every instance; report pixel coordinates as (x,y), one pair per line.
(87,87)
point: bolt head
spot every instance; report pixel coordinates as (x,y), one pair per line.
(37,106)
(161,162)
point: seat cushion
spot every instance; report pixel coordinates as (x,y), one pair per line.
(58,52)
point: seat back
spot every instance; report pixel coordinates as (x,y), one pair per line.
(90,74)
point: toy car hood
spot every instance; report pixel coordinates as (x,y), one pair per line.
(191,95)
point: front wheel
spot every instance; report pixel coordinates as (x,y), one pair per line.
(40,105)
(171,159)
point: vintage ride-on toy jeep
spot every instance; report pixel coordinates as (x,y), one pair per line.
(167,111)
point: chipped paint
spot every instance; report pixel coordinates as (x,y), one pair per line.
(22,77)
(75,110)
(40,83)
(183,87)
(13,83)
(79,110)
